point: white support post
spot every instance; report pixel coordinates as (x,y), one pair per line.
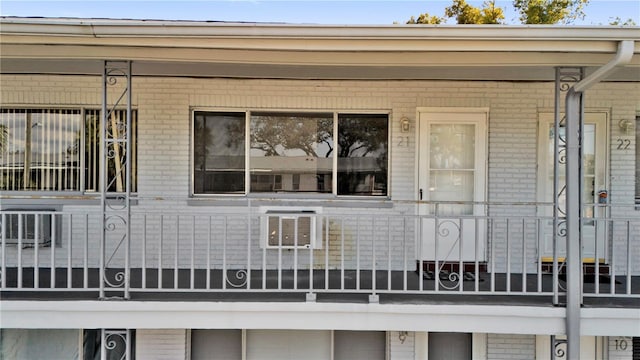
(573,108)
(573,216)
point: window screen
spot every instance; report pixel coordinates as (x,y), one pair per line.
(216,344)
(288,345)
(450,346)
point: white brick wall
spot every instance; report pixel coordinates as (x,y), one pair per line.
(511,347)
(166,344)
(620,348)
(401,345)
(165,104)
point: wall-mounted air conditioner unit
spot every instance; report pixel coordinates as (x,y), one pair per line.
(290,228)
(37,227)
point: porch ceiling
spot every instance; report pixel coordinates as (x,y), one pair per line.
(352,72)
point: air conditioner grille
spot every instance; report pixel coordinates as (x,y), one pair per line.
(288,230)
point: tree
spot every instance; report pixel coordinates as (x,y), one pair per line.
(531,12)
(550,11)
(467,14)
(464,14)
(274,135)
(492,14)
(618,22)
(426,19)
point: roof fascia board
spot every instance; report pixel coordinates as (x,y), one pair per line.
(141,28)
(99,28)
(346,45)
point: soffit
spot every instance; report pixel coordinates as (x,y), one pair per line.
(269,71)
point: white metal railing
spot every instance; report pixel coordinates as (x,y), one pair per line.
(352,252)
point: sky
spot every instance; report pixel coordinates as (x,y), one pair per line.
(598,12)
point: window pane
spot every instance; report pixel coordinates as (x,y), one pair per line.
(359,345)
(362,154)
(216,344)
(291,152)
(117,162)
(288,345)
(218,152)
(450,346)
(39,344)
(39,150)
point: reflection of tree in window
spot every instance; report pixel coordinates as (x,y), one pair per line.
(275,134)
(295,148)
(362,154)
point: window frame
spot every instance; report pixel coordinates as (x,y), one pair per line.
(290,195)
(83,162)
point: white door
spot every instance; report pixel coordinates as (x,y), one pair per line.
(451,178)
(595,181)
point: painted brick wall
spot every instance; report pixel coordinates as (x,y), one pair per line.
(165,104)
(511,347)
(169,344)
(401,345)
(620,348)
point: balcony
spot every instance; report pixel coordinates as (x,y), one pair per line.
(334,255)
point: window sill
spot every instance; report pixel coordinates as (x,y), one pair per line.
(300,200)
(37,200)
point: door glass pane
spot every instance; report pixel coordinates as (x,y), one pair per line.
(452,146)
(588,165)
(452,186)
(452,167)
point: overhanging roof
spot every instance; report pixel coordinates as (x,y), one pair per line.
(249,50)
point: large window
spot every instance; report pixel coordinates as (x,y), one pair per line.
(290,153)
(59,150)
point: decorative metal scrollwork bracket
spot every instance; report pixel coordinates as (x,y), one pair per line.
(115,344)
(115,179)
(558,348)
(565,78)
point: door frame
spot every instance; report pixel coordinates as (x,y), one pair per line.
(601,118)
(481,163)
